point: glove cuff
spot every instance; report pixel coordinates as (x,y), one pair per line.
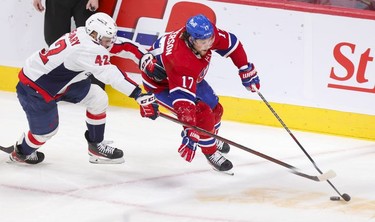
(191,133)
(136,93)
(249,66)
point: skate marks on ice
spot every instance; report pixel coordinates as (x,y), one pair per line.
(296,199)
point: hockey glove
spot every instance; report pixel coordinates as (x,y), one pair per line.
(148,105)
(189,144)
(249,77)
(149,65)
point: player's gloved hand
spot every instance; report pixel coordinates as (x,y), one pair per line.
(148,106)
(189,144)
(149,65)
(249,77)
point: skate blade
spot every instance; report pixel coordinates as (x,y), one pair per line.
(228,172)
(103,160)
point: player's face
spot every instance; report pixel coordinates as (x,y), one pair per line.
(107,42)
(203,45)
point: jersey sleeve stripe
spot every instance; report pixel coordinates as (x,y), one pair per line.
(126,77)
(233,43)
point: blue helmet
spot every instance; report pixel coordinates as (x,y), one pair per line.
(199,27)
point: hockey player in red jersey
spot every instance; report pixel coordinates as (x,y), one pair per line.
(60,73)
(185,55)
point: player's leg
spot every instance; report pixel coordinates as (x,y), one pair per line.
(57,20)
(164,99)
(95,100)
(206,120)
(218,113)
(206,94)
(43,122)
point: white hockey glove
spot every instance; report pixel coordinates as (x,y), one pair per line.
(148,106)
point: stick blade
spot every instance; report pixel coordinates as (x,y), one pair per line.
(327,175)
(7,149)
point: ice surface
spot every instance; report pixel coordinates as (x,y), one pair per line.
(155,184)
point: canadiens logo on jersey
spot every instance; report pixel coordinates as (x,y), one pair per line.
(204,71)
(202,74)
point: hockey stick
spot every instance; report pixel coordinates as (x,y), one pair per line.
(7,149)
(345,196)
(294,170)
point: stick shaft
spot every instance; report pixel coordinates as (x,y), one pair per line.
(292,169)
(293,137)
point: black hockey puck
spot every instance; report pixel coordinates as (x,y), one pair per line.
(334,198)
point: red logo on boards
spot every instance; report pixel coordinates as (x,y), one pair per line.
(354,77)
(144,26)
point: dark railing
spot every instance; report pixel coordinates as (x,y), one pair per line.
(357,4)
(348,8)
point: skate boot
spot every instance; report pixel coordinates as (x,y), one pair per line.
(219,162)
(34,158)
(102,153)
(222,147)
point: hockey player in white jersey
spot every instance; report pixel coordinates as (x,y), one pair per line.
(60,73)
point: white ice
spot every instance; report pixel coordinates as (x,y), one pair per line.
(155,184)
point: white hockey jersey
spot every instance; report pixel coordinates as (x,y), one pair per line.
(72,58)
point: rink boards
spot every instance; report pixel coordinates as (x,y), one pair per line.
(315,64)
(255,111)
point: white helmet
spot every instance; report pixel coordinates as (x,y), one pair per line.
(103,24)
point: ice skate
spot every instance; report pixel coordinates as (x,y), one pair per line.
(34,158)
(219,162)
(222,147)
(102,153)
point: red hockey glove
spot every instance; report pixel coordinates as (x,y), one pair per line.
(149,65)
(249,77)
(189,144)
(148,105)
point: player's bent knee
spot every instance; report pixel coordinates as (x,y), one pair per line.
(96,100)
(218,112)
(205,117)
(43,138)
